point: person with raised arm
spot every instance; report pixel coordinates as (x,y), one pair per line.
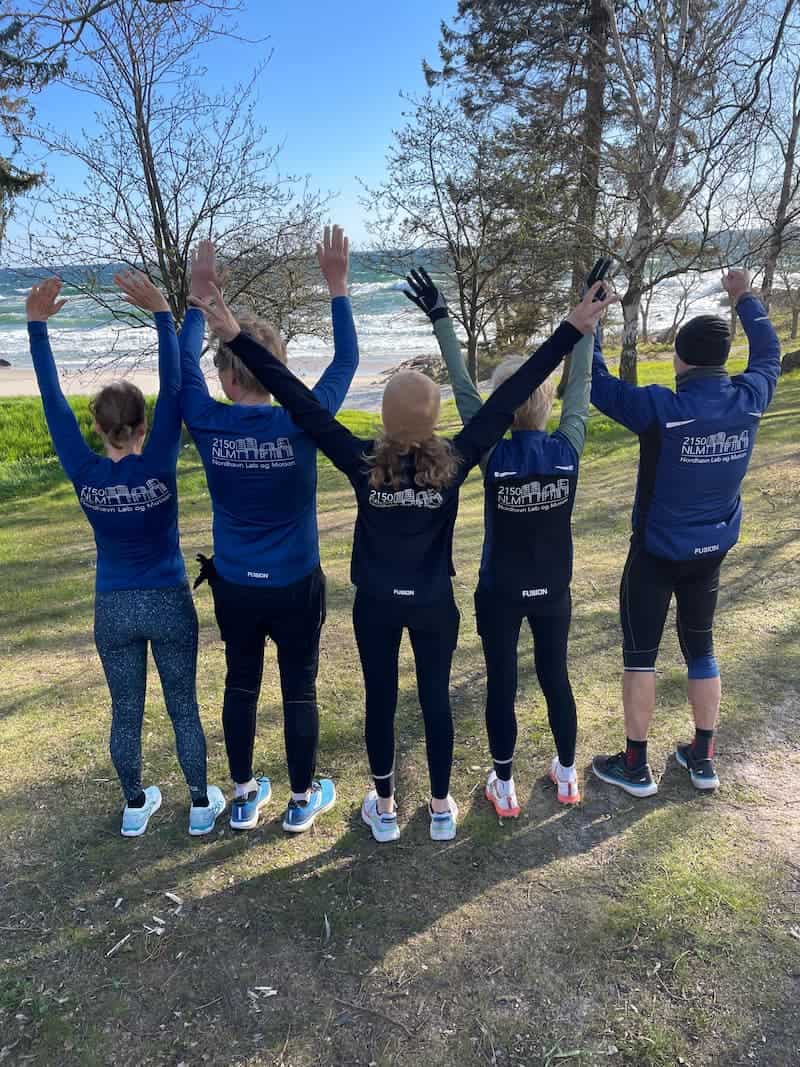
(526,563)
(130,497)
(695,444)
(265,577)
(406,483)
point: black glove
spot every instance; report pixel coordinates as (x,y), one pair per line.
(208,572)
(425,295)
(596,274)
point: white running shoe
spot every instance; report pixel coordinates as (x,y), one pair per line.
(502,796)
(565,780)
(135,820)
(443,824)
(383,824)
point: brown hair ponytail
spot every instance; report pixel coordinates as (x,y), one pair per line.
(119,411)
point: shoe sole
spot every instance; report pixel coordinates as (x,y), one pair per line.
(509,813)
(138,833)
(251,824)
(307,825)
(395,834)
(705,785)
(194,832)
(564,800)
(640,793)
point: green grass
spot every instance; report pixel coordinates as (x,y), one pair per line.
(620,932)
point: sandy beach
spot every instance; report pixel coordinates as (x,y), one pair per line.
(364,395)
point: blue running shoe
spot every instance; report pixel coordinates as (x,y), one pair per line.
(443,823)
(135,820)
(244,810)
(637,781)
(300,817)
(702,772)
(201,820)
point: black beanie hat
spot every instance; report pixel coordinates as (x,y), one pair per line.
(704,341)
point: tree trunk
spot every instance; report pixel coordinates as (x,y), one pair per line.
(775,245)
(631,303)
(591,146)
(644,312)
(472,356)
(795,317)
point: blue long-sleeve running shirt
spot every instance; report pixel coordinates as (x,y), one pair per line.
(261,467)
(403,538)
(694,443)
(131,504)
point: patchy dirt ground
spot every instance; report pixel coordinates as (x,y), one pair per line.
(622,932)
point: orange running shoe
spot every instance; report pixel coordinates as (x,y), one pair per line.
(566,782)
(502,796)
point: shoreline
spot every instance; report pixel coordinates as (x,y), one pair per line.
(364,393)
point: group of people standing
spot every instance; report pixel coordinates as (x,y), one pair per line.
(265,574)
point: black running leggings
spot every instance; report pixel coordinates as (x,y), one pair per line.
(499,620)
(433,630)
(293,617)
(648,583)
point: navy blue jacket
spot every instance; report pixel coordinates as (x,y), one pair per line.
(131,503)
(694,443)
(261,467)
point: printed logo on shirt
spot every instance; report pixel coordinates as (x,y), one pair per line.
(125,498)
(248,453)
(716,447)
(504,474)
(705,549)
(534,592)
(404,592)
(406,498)
(533,496)
(258,574)
(571,467)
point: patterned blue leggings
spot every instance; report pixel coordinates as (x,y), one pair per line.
(125,620)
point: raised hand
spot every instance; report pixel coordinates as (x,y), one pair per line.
(204,271)
(736,283)
(422,292)
(333,253)
(42,301)
(218,315)
(137,289)
(586,315)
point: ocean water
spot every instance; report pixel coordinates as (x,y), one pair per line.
(390,329)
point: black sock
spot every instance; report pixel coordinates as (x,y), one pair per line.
(384,787)
(703,744)
(503,770)
(200,802)
(635,754)
(138,802)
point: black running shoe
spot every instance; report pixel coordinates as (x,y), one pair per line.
(702,771)
(638,781)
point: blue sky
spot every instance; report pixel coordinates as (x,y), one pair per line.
(330,93)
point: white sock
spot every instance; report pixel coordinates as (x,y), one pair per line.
(302,798)
(241,789)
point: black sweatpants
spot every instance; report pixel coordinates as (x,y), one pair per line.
(648,583)
(433,630)
(293,617)
(499,620)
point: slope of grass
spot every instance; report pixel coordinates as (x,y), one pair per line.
(620,932)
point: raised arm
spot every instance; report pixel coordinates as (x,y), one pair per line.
(764,358)
(497,413)
(71,448)
(165,433)
(425,294)
(630,405)
(575,404)
(333,253)
(343,448)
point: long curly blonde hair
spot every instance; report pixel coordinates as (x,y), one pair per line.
(435,463)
